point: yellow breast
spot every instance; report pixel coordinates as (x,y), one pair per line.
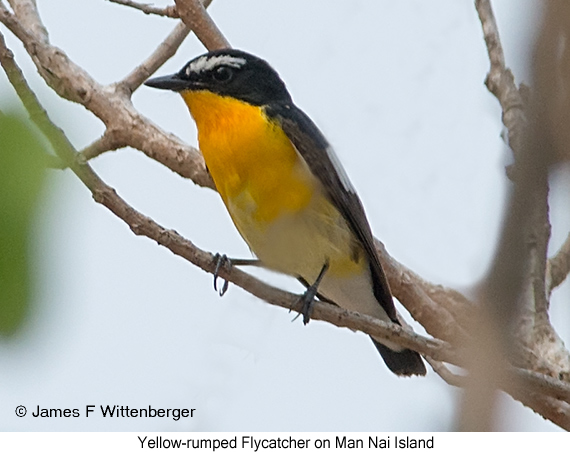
(249,157)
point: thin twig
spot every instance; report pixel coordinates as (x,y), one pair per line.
(194,15)
(559,266)
(446,375)
(107,142)
(163,52)
(168,11)
(500,80)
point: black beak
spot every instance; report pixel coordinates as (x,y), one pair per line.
(172,82)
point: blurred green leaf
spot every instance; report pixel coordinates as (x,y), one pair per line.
(22,172)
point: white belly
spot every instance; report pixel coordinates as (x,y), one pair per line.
(300,243)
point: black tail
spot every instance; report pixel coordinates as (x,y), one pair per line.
(405,363)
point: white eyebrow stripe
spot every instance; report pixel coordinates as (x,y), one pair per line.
(206,63)
(345,181)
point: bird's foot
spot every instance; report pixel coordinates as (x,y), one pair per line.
(221,260)
(308,298)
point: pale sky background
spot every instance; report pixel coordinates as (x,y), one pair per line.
(397,87)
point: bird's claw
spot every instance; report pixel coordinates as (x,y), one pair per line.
(308,300)
(221,260)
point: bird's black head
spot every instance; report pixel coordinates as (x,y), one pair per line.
(228,72)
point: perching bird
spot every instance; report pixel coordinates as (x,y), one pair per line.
(284,188)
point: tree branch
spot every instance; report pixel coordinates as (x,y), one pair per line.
(27,13)
(168,11)
(38,115)
(194,15)
(446,375)
(441,312)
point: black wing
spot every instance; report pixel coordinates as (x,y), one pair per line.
(316,151)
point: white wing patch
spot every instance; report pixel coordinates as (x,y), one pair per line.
(340,170)
(206,63)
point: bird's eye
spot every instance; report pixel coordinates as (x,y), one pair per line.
(223,74)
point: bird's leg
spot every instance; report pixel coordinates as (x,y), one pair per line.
(221,260)
(308,298)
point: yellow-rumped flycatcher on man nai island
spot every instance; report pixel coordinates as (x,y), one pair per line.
(284,188)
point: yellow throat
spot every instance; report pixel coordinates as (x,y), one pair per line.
(249,156)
